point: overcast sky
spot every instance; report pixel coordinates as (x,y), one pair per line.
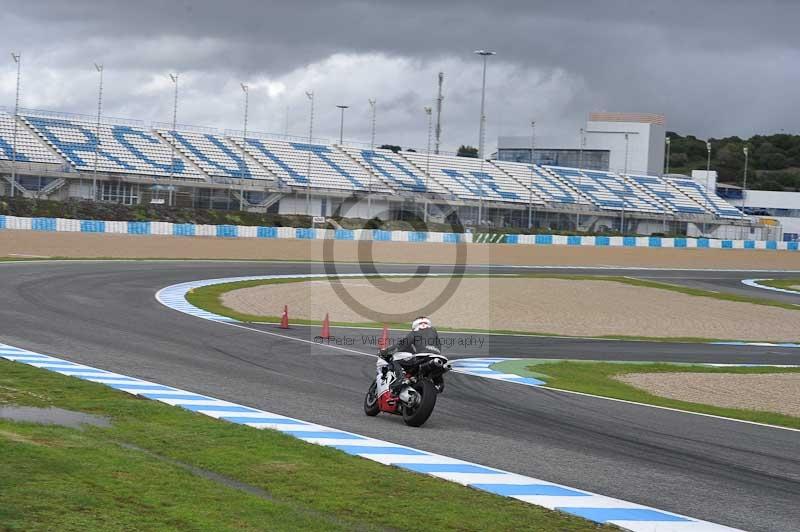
(714,68)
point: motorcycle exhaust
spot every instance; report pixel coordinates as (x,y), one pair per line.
(409,396)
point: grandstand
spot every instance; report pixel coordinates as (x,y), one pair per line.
(263,172)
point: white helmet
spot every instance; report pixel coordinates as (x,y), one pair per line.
(421,323)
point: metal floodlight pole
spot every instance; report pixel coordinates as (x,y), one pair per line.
(372,103)
(18,60)
(485,54)
(581,142)
(341,123)
(174,78)
(744,184)
(533,162)
(429,112)
(708,171)
(246,91)
(310,95)
(99,69)
(664,177)
(624,173)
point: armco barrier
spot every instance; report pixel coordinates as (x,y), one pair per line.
(240,231)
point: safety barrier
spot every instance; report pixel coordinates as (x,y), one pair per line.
(238,231)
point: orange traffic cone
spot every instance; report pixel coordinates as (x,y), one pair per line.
(383,341)
(285,317)
(326,328)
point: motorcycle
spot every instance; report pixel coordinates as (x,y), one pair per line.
(416,400)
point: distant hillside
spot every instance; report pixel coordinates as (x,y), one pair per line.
(774,159)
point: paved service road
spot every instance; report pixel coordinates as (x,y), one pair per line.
(104,314)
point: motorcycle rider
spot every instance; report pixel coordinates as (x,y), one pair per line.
(423,338)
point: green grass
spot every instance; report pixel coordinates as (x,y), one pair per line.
(144,473)
(210,298)
(597,378)
(786,284)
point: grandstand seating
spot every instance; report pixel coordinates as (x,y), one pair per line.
(214,154)
(545,186)
(468,179)
(677,201)
(120,148)
(711,202)
(330,167)
(128,148)
(29,147)
(395,171)
(607,191)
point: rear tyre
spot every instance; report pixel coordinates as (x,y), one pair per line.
(371,407)
(418,415)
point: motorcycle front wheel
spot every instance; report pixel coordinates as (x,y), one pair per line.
(417,415)
(371,407)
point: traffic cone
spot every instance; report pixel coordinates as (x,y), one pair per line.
(383,341)
(285,317)
(326,328)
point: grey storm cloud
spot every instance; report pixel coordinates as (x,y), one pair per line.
(714,68)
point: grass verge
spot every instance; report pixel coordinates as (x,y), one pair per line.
(785,284)
(160,467)
(597,378)
(210,298)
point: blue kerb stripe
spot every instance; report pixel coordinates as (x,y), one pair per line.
(364,449)
(604,515)
(543,239)
(343,234)
(510,490)
(267,232)
(602,241)
(702,243)
(219,408)
(749,244)
(451,238)
(2,221)
(772,244)
(378,234)
(233,418)
(679,243)
(228,231)
(43,224)
(93,226)
(512,239)
(141,385)
(138,228)
(727,244)
(526,380)
(417,236)
(629,241)
(792,246)
(449,468)
(85,370)
(303,233)
(323,434)
(574,240)
(183,229)
(654,242)
(193,397)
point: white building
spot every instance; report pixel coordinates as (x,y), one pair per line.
(611,141)
(767,204)
(635,140)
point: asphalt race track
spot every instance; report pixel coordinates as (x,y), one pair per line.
(104,314)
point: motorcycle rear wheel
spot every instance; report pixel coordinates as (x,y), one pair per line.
(371,407)
(416,416)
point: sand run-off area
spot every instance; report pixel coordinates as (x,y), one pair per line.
(541,305)
(777,392)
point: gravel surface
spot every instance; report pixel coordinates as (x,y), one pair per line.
(579,308)
(44,244)
(777,392)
